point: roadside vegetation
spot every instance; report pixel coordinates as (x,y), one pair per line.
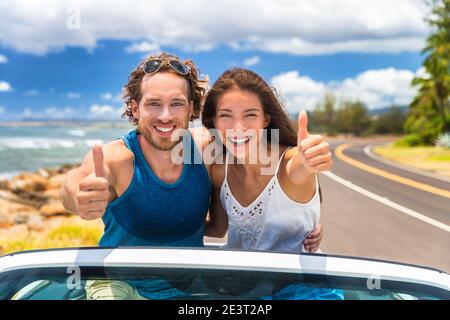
(71,233)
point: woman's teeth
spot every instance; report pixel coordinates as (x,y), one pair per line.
(239,140)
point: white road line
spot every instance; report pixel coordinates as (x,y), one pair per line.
(368,151)
(388,202)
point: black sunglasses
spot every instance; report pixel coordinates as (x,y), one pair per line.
(152,66)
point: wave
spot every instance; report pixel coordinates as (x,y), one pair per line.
(8,175)
(92,142)
(45,143)
(77,133)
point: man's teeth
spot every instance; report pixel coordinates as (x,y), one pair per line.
(164,129)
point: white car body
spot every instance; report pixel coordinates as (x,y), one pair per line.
(369,270)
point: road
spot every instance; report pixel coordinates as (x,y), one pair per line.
(376,215)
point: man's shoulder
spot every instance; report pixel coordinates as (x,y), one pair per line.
(117,152)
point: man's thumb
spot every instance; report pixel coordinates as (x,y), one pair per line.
(99,165)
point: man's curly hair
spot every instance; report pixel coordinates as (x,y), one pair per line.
(132,90)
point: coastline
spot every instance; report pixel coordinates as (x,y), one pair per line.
(32,216)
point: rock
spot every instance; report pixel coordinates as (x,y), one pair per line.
(44,173)
(53,209)
(57,180)
(21,219)
(4,185)
(26,182)
(26,199)
(52,194)
(65,168)
(36,223)
(5,222)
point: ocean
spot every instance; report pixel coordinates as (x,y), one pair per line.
(28,148)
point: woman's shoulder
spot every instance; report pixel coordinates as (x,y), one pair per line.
(291,152)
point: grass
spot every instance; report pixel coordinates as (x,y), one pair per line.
(78,234)
(436,159)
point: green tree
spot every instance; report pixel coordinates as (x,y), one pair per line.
(429,113)
(324,114)
(352,117)
(391,121)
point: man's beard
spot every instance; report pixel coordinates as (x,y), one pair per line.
(165,145)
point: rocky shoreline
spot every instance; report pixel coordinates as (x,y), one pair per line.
(30,200)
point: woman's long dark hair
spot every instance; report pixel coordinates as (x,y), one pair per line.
(250,81)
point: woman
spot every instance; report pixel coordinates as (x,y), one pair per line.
(274,211)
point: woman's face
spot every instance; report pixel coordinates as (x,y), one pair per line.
(240,119)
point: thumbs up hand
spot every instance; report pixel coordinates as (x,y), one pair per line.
(313,151)
(93,195)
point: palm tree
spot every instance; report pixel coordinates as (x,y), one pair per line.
(430,110)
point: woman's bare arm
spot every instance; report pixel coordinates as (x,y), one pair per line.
(217,223)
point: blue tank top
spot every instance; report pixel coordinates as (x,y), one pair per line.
(152,212)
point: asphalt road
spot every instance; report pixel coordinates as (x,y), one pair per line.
(356,224)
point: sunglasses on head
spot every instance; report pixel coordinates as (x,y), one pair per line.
(153,65)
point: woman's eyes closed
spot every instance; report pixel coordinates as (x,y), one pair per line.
(223,115)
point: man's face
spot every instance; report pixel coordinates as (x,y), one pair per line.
(164,107)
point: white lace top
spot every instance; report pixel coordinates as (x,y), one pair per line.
(272,221)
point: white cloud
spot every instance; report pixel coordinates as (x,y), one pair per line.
(2,110)
(5,86)
(53,112)
(31,92)
(252,61)
(61,113)
(27,112)
(105,111)
(288,26)
(110,96)
(107,96)
(378,88)
(375,88)
(143,47)
(298,91)
(73,95)
(3,58)
(101,109)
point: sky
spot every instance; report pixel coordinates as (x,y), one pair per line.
(69,59)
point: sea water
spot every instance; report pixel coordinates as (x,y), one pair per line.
(28,148)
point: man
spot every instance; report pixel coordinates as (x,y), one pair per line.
(144,197)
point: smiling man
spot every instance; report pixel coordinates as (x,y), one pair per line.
(144,197)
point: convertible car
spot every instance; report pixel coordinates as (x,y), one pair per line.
(216,273)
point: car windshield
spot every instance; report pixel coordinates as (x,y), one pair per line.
(80,283)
